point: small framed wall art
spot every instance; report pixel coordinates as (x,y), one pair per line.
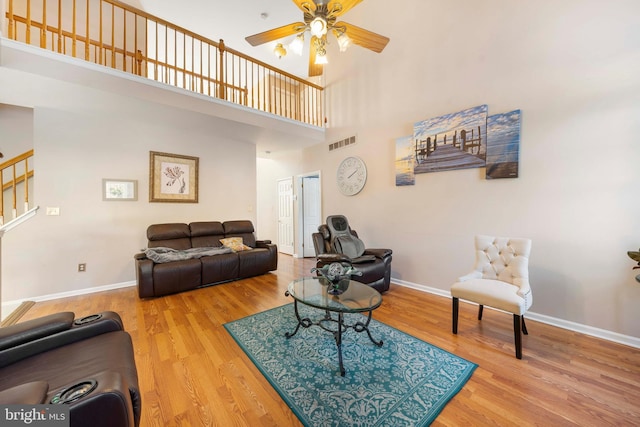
(173,178)
(119,190)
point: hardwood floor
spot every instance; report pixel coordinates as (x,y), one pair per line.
(192,373)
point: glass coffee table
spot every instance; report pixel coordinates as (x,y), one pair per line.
(349,297)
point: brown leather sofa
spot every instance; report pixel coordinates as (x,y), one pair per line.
(156,279)
(86,364)
(375,264)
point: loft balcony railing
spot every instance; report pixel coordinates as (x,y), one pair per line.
(14,182)
(116,35)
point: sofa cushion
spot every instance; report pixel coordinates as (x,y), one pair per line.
(206,234)
(176,276)
(242,228)
(254,262)
(219,268)
(175,236)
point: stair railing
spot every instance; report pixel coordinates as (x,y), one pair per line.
(14,172)
(116,35)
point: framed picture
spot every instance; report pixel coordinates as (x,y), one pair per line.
(173,178)
(453,141)
(119,189)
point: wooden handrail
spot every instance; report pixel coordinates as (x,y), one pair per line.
(138,56)
(16,179)
(68,34)
(137,42)
(16,159)
(209,41)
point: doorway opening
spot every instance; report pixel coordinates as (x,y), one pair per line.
(308,186)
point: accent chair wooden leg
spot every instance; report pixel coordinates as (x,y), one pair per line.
(517,335)
(455,303)
(524,326)
(480,311)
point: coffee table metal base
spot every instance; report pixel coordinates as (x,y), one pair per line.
(336,327)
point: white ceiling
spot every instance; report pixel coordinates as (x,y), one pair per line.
(232,21)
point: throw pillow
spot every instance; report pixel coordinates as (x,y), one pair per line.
(235,243)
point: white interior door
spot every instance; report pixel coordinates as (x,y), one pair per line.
(285,216)
(311,205)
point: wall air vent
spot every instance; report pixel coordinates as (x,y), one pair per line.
(342,143)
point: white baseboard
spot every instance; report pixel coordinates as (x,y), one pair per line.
(560,323)
(9,306)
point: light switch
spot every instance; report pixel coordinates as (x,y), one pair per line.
(53,210)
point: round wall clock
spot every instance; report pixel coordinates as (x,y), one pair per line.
(351,176)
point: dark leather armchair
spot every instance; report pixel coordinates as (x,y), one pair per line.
(375,264)
(86,364)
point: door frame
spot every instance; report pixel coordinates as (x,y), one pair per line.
(299,220)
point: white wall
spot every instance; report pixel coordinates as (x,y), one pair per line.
(572,68)
(16,130)
(81,136)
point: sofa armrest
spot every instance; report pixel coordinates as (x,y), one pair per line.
(144,277)
(273,253)
(34,329)
(80,329)
(329,258)
(378,253)
(114,402)
(140,256)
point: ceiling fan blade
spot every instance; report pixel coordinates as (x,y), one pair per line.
(275,34)
(307,6)
(314,69)
(362,37)
(336,8)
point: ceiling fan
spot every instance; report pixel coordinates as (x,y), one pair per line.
(319,19)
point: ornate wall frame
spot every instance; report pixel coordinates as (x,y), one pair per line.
(173,178)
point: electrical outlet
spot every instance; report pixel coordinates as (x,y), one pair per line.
(82,267)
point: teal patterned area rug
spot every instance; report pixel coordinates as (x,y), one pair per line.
(406,382)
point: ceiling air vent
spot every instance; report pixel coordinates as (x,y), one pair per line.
(342,143)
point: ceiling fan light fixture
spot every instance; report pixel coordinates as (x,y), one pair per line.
(297,44)
(280,51)
(318,26)
(344,41)
(321,57)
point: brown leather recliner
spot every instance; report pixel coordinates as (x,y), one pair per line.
(375,264)
(157,279)
(87,364)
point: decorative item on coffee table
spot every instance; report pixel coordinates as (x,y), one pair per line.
(338,276)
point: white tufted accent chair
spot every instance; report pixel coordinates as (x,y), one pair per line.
(500,279)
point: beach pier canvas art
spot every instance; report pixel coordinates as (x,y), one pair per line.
(453,141)
(465,139)
(503,145)
(405,161)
